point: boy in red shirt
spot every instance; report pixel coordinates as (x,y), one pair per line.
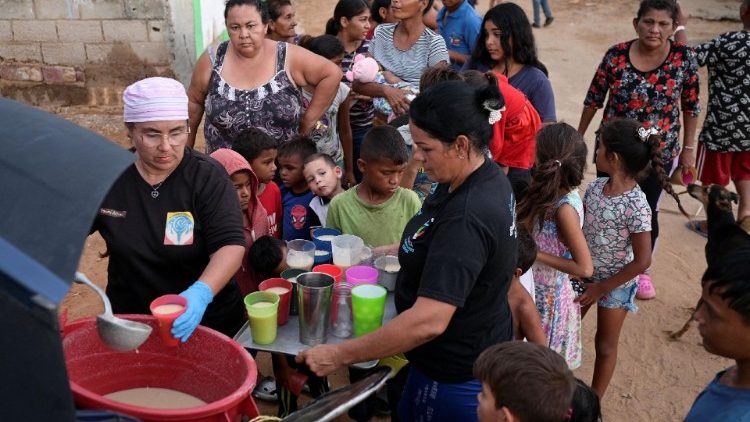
(260,150)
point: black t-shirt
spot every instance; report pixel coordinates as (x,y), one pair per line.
(162,245)
(461,249)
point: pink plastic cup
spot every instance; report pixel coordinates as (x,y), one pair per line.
(361,274)
(278,285)
(166,309)
(330,269)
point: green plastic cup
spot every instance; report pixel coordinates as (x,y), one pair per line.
(368,305)
(262,309)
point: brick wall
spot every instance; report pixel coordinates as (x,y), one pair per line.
(86,45)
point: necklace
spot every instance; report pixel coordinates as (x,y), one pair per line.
(155,189)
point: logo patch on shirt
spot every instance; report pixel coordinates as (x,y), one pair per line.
(179,228)
(299,216)
(455,40)
(408,246)
(112,213)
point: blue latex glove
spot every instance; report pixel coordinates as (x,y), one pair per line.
(198,296)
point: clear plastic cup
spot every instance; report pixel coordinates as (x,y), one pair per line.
(347,250)
(300,254)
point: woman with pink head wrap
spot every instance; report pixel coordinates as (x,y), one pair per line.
(172,222)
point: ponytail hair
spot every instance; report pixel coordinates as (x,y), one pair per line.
(560,166)
(640,149)
(345,9)
(454,108)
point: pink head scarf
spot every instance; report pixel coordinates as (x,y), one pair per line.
(155,99)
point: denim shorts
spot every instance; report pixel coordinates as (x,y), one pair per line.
(622,297)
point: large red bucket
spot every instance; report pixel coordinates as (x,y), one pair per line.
(210,366)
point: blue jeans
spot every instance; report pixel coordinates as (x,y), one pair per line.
(545,6)
(425,398)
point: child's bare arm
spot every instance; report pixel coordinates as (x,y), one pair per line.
(641,261)
(524,311)
(569,230)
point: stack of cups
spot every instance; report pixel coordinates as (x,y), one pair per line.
(322,238)
(262,311)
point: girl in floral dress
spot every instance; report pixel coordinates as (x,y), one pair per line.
(618,230)
(553,211)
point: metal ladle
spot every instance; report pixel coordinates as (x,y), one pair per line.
(117,333)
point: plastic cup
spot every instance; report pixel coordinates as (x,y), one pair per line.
(262,308)
(347,250)
(300,254)
(291,275)
(330,269)
(368,306)
(388,268)
(361,274)
(322,257)
(283,288)
(166,309)
(322,237)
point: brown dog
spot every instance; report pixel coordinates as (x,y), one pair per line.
(724,233)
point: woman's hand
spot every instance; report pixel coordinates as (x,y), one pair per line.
(594,292)
(306,125)
(397,99)
(322,360)
(687,158)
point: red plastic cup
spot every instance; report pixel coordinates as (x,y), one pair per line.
(277,285)
(296,382)
(330,269)
(165,309)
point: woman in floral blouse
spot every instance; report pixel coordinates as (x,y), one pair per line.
(650,79)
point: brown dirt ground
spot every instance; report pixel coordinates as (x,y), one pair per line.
(656,379)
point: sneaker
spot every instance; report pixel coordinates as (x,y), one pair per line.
(266,390)
(536,25)
(645,290)
(548,21)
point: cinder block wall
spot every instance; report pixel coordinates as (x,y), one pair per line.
(71,52)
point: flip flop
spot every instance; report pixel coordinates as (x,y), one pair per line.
(697,227)
(266,390)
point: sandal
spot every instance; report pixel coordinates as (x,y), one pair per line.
(697,227)
(266,390)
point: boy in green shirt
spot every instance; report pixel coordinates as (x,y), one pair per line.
(377,209)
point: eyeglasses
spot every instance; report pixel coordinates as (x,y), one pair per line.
(175,138)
